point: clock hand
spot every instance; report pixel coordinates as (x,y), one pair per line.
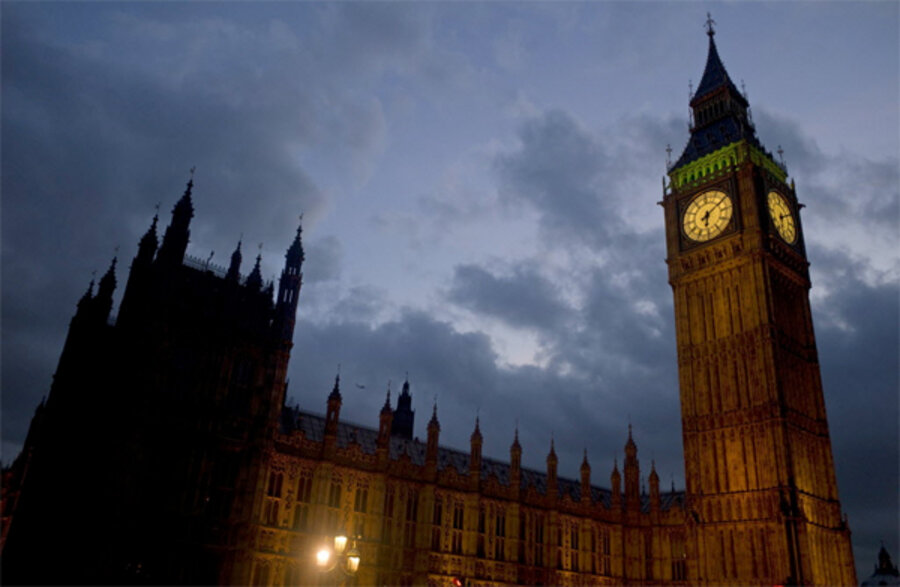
(706,219)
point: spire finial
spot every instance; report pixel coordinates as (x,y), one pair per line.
(668,155)
(709,26)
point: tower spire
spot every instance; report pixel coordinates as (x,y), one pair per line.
(234,269)
(104,298)
(178,232)
(254,280)
(404,415)
(719,111)
(709,26)
(289,286)
(149,243)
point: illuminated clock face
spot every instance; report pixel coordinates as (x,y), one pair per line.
(707,215)
(782,217)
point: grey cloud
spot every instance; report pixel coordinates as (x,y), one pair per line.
(557,169)
(323,260)
(523,298)
(800,151)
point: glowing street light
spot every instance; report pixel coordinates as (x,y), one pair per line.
(332,556)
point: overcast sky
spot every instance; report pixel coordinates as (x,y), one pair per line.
(479,183)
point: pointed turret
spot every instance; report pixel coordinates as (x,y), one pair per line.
(137,290)
(404,416)
(654,487)
(234,268)
(289,287)
(515,453)
(434,431)
(178,233)
(585,479)
(85,302)
(615,480)
(475,442)
(384,422)
(552,463)
(515,463)
(148,244)
(254,280)
(104,300)
(334,408)
(632,473)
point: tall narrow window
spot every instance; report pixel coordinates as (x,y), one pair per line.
(573,546)
(412,513)
(301,507)
(678,558)
(334,503)
(388,520)
(436,520)
(361,501)
(538,540)
(457,532)
(499,534)
(481,521)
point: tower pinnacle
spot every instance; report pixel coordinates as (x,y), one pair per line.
(709,26)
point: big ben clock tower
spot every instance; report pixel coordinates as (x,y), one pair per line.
(762,497)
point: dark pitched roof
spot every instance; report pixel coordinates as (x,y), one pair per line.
(715,76)
(313,427)
(730,126)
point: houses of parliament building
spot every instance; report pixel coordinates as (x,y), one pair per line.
(165,454)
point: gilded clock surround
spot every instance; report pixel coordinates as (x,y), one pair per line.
(782,217)
(707,215)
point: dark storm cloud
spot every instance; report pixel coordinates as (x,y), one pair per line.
(557,169)
(523,298)
(323,260)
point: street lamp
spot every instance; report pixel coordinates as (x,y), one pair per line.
(334,556)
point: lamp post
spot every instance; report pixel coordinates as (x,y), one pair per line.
(336,556)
